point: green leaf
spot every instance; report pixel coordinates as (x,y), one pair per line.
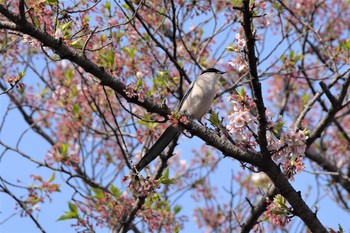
(21,74)
(177,209)
(165,178)
(115,191)
(341,230)
(283,58)
(76,109)
(155,197)
(87,19)
(126,6)
(165,174)
(63,149)
(278,126)
(306,132)
(68,215)
(161,80)
(69,73)
(52,2)
(148,123)
(66,25)
(291,55)
(73,213)
(107,6)
(98,193)
(139,83)
(241,92)
(214,118)
(52,177)
(231,48)
(201,31)
(43,91)
(347,43)
(109,58)
(177,228)
(237,2)
(167,181)
(72,207)
(130,51)
(305,98)
(77,44)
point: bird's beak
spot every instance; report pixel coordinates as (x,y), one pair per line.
(223,72)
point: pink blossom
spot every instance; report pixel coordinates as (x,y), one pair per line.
(183,164)
(112,22)
(238,62)
(293,166)
(277,211)
(130,91)
(291,144)
(239,119)
(295,142)
(139,74)
(262,4)
(241,41)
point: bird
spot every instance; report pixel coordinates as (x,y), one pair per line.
(195,103)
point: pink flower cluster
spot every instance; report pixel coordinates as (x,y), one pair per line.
(241,41)
(238,120)
(131,91)
(175,118)
(238,61)
(241,119)
(288,148)
(142,186)
(68,157)
(291,144)
(293,166)
(295,141)
(277,211)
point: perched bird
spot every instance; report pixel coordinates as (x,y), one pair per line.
(195,103)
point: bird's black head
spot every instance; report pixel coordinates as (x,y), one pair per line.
(213,70)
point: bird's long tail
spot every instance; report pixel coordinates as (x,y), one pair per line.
(158,147)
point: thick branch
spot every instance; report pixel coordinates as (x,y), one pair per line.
(126,224)
(68,53)
(335,108)
(106,79)
(253,73)
(223,144)
(294,198)
(326,165)
(7,25)
(160,45)
(258,210)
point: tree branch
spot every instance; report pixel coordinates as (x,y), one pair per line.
(22,205)
(294,198)
(253,73)
(258,210)
(68,53)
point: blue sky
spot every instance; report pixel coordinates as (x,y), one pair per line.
(14,166)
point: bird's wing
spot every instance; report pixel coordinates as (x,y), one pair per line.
(185,96)
(168,135)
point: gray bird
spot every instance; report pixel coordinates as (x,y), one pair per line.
(195,103)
